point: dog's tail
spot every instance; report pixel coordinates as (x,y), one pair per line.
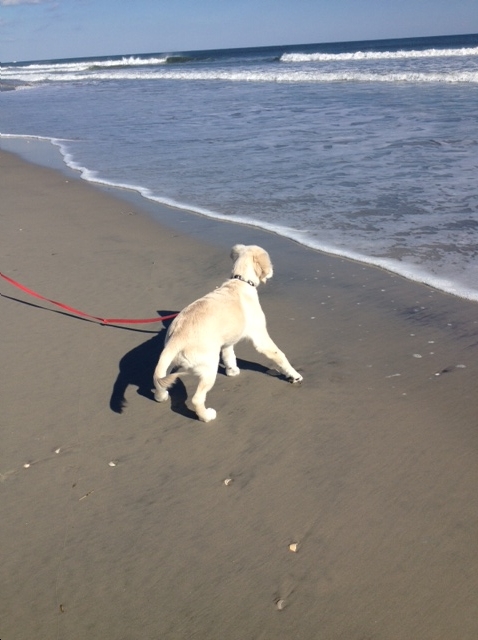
(169,380)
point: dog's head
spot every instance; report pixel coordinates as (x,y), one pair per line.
(251,262)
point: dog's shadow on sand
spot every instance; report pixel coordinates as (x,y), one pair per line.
(136,368)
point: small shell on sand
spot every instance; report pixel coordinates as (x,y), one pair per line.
(280,604)
(26,465)
(112,463)
(294,547)
(228,481)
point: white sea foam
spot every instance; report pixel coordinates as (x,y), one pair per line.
(279,77)
(358,56)
(130,61)
(84,64)
(406,270)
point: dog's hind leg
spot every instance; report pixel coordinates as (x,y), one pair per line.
(207,377)
(265,345)
(229,359)
(160,377)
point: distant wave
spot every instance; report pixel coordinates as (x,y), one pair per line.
(133,61)
(378,55)
(170,67)
(125,62)
(285,75)
(258,76)
(92,64)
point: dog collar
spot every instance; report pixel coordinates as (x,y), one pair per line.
(238,277)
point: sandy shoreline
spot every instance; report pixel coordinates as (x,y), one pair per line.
(121,526)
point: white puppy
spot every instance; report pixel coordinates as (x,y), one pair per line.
(212,325)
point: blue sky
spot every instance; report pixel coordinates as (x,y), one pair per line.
(41,29)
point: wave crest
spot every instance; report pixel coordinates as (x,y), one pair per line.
(378,55)
(278,77)
(134,61)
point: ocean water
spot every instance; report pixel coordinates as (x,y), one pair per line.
(367,150)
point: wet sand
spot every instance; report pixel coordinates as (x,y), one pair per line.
(116,520)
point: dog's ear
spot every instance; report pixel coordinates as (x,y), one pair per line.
(236,251)
(263,265)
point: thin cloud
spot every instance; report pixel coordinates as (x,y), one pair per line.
(10,3)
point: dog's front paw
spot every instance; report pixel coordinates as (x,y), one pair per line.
(232,371)
(295,380)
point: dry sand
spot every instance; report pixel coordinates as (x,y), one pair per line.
(118,525)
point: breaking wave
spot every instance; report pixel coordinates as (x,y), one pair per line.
(38,75)
(378,55)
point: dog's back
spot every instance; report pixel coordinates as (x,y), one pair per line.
(212,325)
(207,324)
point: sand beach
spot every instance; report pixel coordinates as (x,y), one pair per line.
(116,520)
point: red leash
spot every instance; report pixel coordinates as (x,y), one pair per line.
(82,313)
